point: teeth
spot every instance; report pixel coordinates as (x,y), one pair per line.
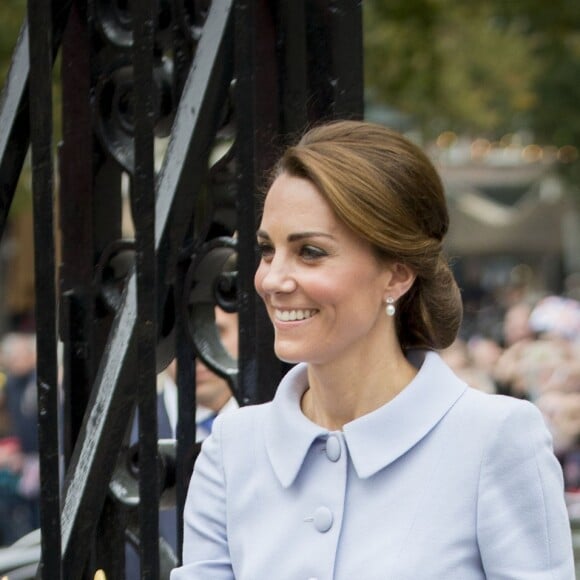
(289,315)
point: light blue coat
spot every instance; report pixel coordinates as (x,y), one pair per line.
(443,483)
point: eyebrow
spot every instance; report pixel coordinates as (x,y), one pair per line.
(297,236)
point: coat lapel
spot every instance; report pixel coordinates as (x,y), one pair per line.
(374,440)
(381,437)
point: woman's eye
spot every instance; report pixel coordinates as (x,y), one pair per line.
(312,252)
(265,251)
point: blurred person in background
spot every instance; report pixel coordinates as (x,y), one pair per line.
(213,394)
(516,335)
(458,356)
(572,285)
(19,464)
(485,353)
(546,357)
(5,427)
(516,324)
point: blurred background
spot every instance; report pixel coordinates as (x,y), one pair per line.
(490,90)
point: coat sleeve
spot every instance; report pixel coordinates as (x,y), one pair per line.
(522,522)
(205,542)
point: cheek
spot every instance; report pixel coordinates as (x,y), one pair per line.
(324,292)
(337,281)
(356,289)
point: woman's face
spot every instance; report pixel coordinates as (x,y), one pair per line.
(322,285)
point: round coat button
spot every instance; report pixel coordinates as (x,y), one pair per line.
(322,519)
(333,448)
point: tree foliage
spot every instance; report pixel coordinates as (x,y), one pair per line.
(554,28)
(11,18)
(486,67)
(12,15)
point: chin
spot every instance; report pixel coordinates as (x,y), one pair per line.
(291,355)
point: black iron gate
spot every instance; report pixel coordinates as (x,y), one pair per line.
(173,110)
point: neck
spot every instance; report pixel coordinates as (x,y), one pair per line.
(340,393)
(217,404)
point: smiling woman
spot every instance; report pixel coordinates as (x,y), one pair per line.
(374,460)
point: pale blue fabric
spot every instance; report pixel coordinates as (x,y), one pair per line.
(443,483)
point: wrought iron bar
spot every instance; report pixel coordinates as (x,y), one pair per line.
(334,64)
(257,130)
(104,426)
(77,226)
(186,410)
(40,22)
(344,19)
(294,90)
(143,210)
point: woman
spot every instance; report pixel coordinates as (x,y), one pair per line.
(373,461)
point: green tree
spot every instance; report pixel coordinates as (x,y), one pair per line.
(553,29)
(11,18)
(451,64)
(483,68)
(12,15)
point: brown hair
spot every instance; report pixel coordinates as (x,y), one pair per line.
(385,189)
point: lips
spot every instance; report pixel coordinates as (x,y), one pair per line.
(294,315)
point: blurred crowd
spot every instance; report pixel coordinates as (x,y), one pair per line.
(19,466)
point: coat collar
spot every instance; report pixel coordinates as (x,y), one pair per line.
(374,440)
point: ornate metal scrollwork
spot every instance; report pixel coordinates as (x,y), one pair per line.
(124,489)
(178,27)
(111,273)
(114,20)
(211,281)
(124,485)
(113,92)
(114,97)
(192,16)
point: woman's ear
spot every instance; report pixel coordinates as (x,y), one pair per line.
(401,279)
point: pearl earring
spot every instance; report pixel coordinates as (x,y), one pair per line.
(390,308)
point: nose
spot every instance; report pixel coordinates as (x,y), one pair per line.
(275,276)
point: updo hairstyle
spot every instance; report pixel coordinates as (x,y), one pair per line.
(386,190)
